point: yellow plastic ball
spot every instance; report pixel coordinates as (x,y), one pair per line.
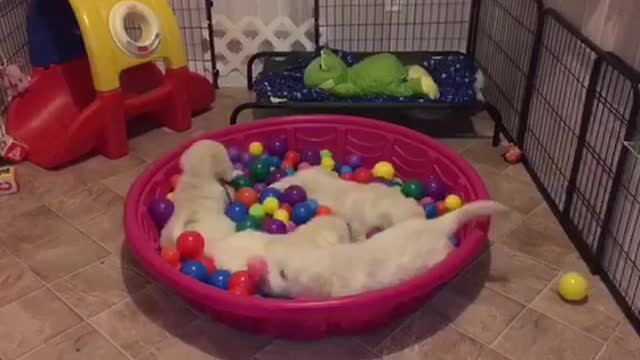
(452,202)
(270,205)
(573,287)
(256,148)
(282,215)
(384,170)
(327,163)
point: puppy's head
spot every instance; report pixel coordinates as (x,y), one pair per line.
(207,158)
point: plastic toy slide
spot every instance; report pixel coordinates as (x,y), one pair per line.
(90,77)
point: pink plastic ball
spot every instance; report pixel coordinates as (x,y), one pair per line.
(426,200)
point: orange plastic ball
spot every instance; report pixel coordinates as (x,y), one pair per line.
(286,207)
(247,197)
(292,156)
(174,181)
(442,208)
(286,164)
(324,211)
(170,255)
(208,263)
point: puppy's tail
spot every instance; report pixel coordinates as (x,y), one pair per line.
(454,220)
(207,158)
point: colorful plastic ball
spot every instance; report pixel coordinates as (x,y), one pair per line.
(286,207)
(190,245)
(249,223)
(363,175)
(452,202)
(194,269)
(174,180)
(292,157)
(347,177)
(286,165)
(431,211)
(208,263)
(573,287)
(238,166)
(384,170)
(270,205)
(310,156)
(170,255)
(276,176)
(413,189)
(435,189)
(241,279)
(303,165)
(161,211)
(291,226)
(442,208)
(314,204)
(293,194)
(259,169)
(274,161)
(354,161)
(324,153)
(302,213)
(324,211)
(220,279)
(236,212)
(234,153)
(270,192)
(272,226)
(426,200)
(327,163)
(245,158)
(346,169)
(256,149)
(278,146)
(256,212)
(290,172)
(281,215)
(246,197)
(259,187)
(240,182)
(239,291)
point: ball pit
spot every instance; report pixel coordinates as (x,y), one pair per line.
(413,155)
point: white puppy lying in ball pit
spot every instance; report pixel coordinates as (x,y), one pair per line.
(388,258)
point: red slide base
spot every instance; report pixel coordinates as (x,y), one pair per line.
(61,118)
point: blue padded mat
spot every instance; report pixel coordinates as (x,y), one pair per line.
(454,74)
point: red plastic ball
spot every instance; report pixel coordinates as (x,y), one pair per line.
(348,177)
(170,255)
(208,263)
(286,207)
(239,291)
(292,157)
(174,181)
(242,279)
(363,175)
(190,245)
(442,209)
(286,165)
(324,211)
(246,197)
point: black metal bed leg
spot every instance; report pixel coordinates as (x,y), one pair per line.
(240,108)
(498,128)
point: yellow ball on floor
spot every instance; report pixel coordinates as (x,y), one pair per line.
(384,170)
(452,202)
(270,205)
(256,148)
(573,287)
(282,215)
(327,163)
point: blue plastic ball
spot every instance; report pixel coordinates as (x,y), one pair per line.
(346,169)
(431,211)
(290,172)
(354,161)
(220,279)
(236,212)
(302,213)
(270,192)
(314,205)
(274,161)
(194,269)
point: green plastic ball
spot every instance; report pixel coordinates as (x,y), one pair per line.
(256,212)
(260,170)
(240,182)
(248,224)
(413,189)
(325,154)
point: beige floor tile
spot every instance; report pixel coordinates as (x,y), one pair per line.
(518,171)
(207,340)
(84,205)
(31,321)
(100,286)
(373,339)
(533,241)
(513,274)
(98,167)
(483,314)
(22,201)
(624,345)
(53,248)
(139,324)
(482,152)
(542,219)
(16,280)
(120,183)
(534,336)
(427,335)
(337,349)
(457,144)
(81,343)
(48,185)
(491,354)
(503,224)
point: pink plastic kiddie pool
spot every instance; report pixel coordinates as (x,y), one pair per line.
(413,155)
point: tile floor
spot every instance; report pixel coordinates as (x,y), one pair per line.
(69,290)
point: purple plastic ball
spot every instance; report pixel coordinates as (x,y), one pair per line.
(291,226)
(276,176)
(160,210)
(293,195)
(245,158)
(234,153)
(272,226)
(310,156)
(259,187)
(354,161)
(238,166)
(278,146)
(435,189)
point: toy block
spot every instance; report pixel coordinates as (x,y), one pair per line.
(12,150)
(8,180)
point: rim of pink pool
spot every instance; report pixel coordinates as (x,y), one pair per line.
(414,155)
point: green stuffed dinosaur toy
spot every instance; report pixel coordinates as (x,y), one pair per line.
(376,75)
